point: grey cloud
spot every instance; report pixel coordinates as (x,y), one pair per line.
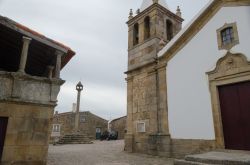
(97,31)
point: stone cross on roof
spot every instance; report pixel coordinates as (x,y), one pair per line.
(147,3)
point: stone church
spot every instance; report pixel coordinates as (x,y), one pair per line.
(188,88)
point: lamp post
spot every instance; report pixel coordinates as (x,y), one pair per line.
(79,88)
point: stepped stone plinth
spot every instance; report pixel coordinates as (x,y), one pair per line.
(76,138)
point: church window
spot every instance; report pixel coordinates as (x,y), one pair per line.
(169,30)
(136,34)
(146,28)
(227,36)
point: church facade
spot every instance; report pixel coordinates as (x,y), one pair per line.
(188,89)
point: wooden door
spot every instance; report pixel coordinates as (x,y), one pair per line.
(235,114)
(98,133)
(3,128)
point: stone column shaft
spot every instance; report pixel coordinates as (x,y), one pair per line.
(50,71)
(77,117)
(59,55)
(24,55)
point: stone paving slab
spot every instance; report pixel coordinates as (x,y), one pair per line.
(100,153)
(224,156)
(237,157)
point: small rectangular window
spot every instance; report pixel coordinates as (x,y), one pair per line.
(141,127)
(227,35)
(56,128)
(82,119)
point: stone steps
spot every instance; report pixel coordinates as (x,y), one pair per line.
(185,162)
(75,139)
(225,157)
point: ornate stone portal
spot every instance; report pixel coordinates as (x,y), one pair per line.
(230,69)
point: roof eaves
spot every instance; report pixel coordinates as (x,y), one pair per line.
(39,37)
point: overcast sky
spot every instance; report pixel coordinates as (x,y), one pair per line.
(96,30)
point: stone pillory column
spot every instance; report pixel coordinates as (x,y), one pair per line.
(79,88)
(23,60)
(59,55)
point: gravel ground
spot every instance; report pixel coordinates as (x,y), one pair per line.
(100,153)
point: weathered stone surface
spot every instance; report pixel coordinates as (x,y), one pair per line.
(146,82)
(26,88)
(182,147)
(119,125)
(88,123)
(26,101)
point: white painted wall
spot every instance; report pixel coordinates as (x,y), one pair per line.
(189,103)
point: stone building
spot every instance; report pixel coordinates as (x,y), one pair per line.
(180,81)
(119,125)
(90,124)
(29,84)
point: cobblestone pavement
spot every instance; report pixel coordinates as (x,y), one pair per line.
(100,153)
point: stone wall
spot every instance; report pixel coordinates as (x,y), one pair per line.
(182,147)
(88,123)
(28,102)
(26,139)
(119,125)
(146,82)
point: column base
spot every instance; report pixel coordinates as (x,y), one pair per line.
(129,139)
(159,144)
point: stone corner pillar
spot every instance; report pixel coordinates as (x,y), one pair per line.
(129,135)
(162,100)
(129,140)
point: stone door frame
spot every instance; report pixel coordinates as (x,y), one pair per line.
(230,69)
(3,132)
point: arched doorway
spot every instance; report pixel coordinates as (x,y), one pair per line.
(230,95)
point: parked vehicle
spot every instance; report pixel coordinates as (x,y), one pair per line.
(113,135)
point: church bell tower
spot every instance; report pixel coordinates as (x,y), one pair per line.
(149,30)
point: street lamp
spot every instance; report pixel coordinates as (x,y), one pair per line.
(79,88)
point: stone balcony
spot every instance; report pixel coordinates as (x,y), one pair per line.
(19,87)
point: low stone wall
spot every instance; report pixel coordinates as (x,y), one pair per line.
(163,145)
(183,147)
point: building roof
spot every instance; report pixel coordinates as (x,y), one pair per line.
(195,25)
(147,3)
(118,118)
(20,29)
(82,112)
